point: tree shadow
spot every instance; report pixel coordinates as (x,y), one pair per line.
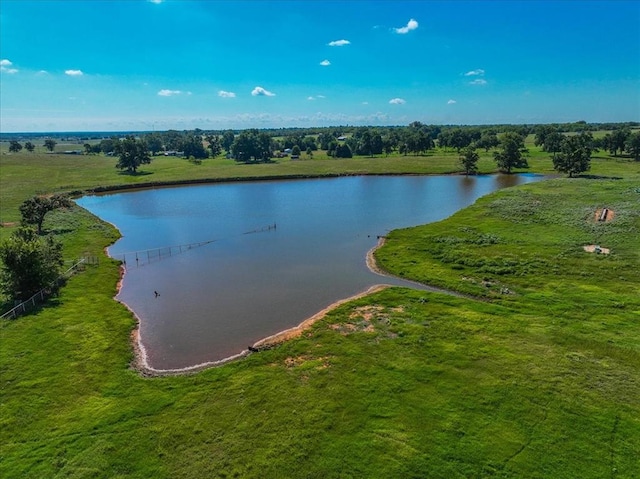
(597,177)
(56,231)
(135,173)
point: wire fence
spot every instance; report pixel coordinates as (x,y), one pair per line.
(148,256)
(41,296)
(140,258)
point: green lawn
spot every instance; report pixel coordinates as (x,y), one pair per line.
(537,378)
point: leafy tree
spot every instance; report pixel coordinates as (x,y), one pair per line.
(252,146)
(50,144)
(460,139)
(389,143)
(310,142)
(549,137)
(14,146)
(332,148)
(343,151)
(108,145)
(227,140)
(324,139)
(511,155)
(215,145)
(632,146)
(193,146)
(34,209)
(575,155)
(469,160)
(173,140)
(488,140)
(362,144)
(377,145)
(295,150)
(542,131)
(618,140)
(154,143)
(553,142)
(29,146)
(309,152)
(88,149)
(131,154)
(29,263)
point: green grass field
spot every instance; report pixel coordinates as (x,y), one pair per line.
(537,378)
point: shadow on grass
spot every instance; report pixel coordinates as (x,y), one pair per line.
(57,231)
(597,177)
(135,173)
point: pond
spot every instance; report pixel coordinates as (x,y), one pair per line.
(232,263)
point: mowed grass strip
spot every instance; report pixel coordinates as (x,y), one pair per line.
(539,378)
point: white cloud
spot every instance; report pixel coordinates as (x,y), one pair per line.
(325,63)
(155,1)
(310,98)
(397,101)
(478,72)
(411,25)
(5,67)
(169,92)
(339,43)
(226,94)
(365,102)
(320,96)
(451,102)
(259,91)
(74,73)
(478,81)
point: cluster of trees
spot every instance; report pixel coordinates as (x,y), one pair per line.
(15,146)
(251,146)
(31,261)
(621,140)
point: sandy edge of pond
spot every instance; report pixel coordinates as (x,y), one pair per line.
(141,364)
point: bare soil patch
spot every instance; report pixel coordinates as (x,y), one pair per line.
(594,248)
(604,215)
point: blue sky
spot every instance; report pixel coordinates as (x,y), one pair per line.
(142,65)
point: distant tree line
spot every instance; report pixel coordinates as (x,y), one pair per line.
(418,139)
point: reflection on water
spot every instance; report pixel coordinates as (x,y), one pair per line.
(216,299)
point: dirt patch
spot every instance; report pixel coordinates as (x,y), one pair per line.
(305,325)
(364,319)
(604,215)
(8,225)
(367,313)
(319,363)
(594,248)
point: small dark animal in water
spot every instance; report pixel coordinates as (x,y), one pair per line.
(253,350)
(156,293)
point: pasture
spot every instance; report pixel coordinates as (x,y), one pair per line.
(537,377)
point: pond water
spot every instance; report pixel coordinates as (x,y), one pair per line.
(233,263)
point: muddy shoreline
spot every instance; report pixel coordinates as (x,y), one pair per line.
(141,364)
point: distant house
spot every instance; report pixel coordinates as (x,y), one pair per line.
(287,150)
(342,138)
(295,157)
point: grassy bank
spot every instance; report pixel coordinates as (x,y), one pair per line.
(539,379)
